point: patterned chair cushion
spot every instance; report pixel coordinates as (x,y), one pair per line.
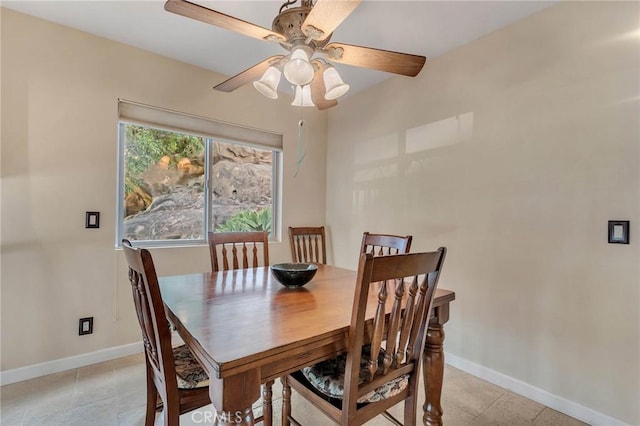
(189,373)
(328,377)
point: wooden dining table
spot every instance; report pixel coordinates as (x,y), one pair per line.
(247,329)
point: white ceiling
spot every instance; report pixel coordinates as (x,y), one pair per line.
(428,28)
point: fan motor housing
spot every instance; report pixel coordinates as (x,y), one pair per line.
(289,24)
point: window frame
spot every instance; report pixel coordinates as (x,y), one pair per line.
(209,140)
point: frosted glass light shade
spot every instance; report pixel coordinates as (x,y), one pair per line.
(298,70)
(333,84)
(303,97)
(268,83)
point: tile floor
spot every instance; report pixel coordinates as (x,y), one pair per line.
(113,394)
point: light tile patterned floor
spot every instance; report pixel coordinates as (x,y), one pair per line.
(113,394)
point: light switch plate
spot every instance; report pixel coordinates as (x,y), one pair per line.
(85,326)
(618,232)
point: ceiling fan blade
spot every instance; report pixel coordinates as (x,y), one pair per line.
(318,90)
(210,16)
(248,75)
(325,17)
(377,59)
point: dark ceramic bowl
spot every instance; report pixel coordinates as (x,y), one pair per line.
(293,274)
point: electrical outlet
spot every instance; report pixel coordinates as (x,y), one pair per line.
(85,326)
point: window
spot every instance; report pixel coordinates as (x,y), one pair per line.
(179,180)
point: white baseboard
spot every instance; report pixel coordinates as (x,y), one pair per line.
(62,364)
(556,402)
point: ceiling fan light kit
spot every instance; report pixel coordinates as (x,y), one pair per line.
(268,84)
(298,70)
(302,97)
(303,31)
(333,83)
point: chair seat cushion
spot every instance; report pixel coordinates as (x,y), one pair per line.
(189,372)
(328,377)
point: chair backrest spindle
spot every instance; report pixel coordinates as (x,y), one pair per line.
(308,244)
(385,244)
(238,249)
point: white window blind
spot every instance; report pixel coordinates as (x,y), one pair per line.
(153,116)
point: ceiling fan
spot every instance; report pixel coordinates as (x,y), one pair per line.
(303,31)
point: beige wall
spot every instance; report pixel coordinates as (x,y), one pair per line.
(59,149)
(514,151)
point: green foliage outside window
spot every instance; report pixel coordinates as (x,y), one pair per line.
(248,220)
(145,146)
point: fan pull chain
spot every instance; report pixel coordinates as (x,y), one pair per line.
(302,152)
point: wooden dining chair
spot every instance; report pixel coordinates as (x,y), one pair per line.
(382,364)
(176,382)
(308,244)
(241,250)
(238,250)
(385,244)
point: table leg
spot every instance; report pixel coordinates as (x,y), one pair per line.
(232,398)
(286,401)
(433,366)
(267,403)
